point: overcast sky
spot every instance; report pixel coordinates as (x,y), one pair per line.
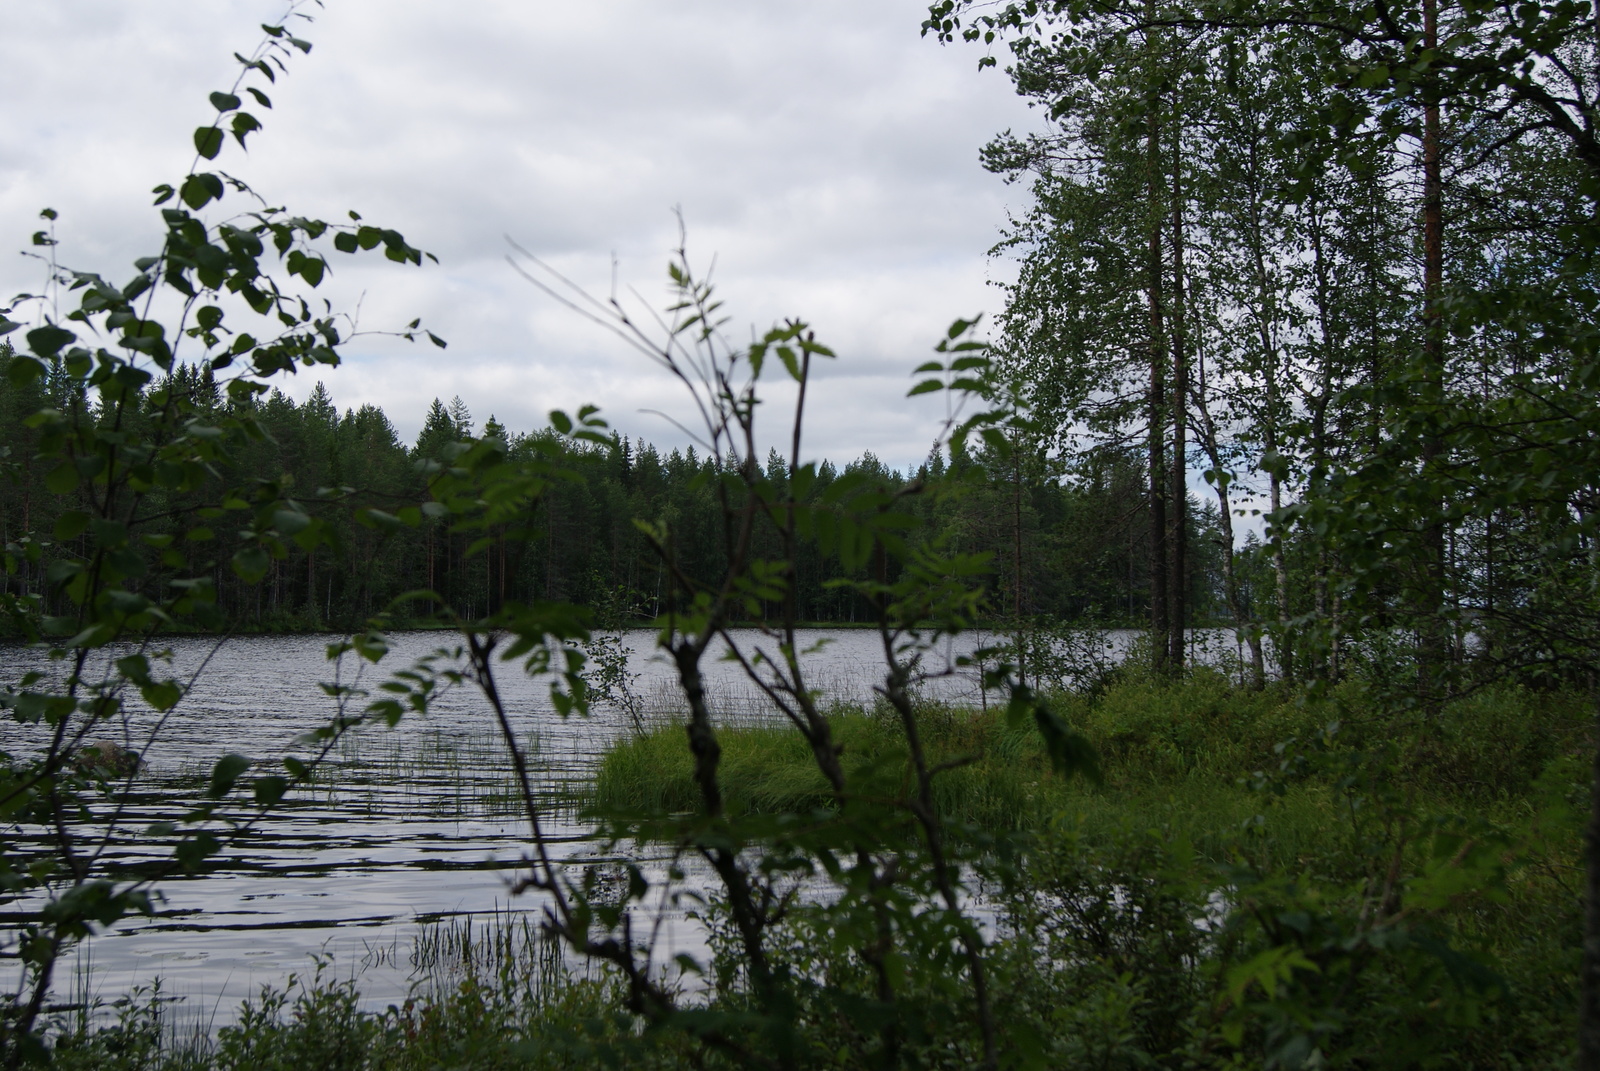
(823,152)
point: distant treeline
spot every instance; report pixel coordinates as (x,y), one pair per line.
(1081,547)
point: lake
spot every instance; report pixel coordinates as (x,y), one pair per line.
(414,837)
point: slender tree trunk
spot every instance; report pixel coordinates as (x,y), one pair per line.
(1327,600)
(1178,510)
(1241,621)
(1016,560)
(1280,577)
(1016,536)
(1266,328)
(1434,644)
(1589,970)
(1159,554)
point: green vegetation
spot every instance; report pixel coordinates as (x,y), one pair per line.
(1345,257)
(486,1022)
(1133,918)
(1198,758)
(338,465)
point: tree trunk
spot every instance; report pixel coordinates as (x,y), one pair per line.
(1178,510)
(1433,653)
(1327,599)
(1242,625)
(1159,554)
(1280,576)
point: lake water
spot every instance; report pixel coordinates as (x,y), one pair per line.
(416,832)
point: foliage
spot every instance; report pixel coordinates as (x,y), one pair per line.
(1380,234)
(1373,871)
(1377,241)
(128,443)
(1081,539)
(1222,911)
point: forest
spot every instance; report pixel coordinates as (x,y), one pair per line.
(1083,541)
(1302,343)
(1345,285)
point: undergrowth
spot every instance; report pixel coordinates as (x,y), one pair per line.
(1261,880)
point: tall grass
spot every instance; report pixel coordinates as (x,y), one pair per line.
(1202,758)
(491,993)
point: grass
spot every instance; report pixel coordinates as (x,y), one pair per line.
(1203,760)
(312,1022)
(1284,804)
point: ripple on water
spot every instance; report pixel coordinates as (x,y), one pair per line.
(414,825)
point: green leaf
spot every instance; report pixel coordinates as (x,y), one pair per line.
(250,563)
(192,851)
(135,667)
(224,102)
(225,773)
(23,371)
(290,521)
(71,524)
(162,695)
(1070,751)
(312,270)
(243,124)
(208,141)
(1268,969)
(270,789)
(389,710)
(47,341)
(200,189)
(62,479)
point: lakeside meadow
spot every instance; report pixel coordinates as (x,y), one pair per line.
(546,748)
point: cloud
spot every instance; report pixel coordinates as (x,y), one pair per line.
(822,152)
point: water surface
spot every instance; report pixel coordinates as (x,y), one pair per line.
(415,828)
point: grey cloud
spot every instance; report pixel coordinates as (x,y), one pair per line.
(822,152)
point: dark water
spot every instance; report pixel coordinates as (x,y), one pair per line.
(416,830)
(416,826)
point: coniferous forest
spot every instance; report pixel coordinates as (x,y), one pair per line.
(1084,541)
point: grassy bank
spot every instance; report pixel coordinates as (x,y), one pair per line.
(1261,880)
(1423,873)
(1201,760)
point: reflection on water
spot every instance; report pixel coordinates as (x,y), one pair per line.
(414,825)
